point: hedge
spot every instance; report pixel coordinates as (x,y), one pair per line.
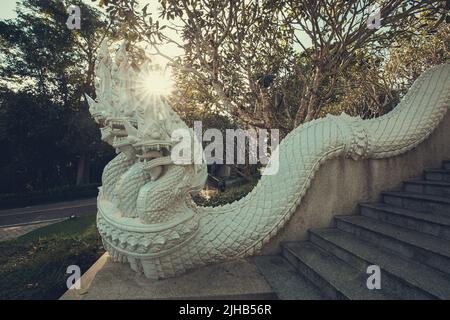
(65,193)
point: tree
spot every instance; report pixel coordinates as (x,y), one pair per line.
(408,59)
(337,31)
(229,46)
(46,68)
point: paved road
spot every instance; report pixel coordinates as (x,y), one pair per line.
(47,212)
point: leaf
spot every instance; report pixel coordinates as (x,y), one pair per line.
(144,10)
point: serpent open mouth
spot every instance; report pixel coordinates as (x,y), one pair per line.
(149,150)
(115,127)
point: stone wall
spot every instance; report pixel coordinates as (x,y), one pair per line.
(340,184)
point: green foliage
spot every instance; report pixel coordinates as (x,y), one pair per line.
(39,141)
(410,57)
(64,193)
(46,132)
(214,198)
(34,265)
(373,84)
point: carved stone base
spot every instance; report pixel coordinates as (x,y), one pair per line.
(237,279)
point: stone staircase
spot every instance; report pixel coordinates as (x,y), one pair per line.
(407,235)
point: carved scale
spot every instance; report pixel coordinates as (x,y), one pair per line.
(146,216)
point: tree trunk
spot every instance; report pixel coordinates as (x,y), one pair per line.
(83,171)
(309,104)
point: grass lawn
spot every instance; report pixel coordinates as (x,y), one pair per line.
(34,265)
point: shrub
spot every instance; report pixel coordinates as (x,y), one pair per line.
(214,198)
(65,193)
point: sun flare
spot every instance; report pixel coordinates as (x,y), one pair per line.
(159,83)
(154,81)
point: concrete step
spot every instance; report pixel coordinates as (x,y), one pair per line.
(436,188)
(417,202)
(405,278)
(446,164)
(437,175)
(335,278)
(237,279)
(284,279)
(421,247)
(431,223)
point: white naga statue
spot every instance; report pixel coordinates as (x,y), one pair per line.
(146,216)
